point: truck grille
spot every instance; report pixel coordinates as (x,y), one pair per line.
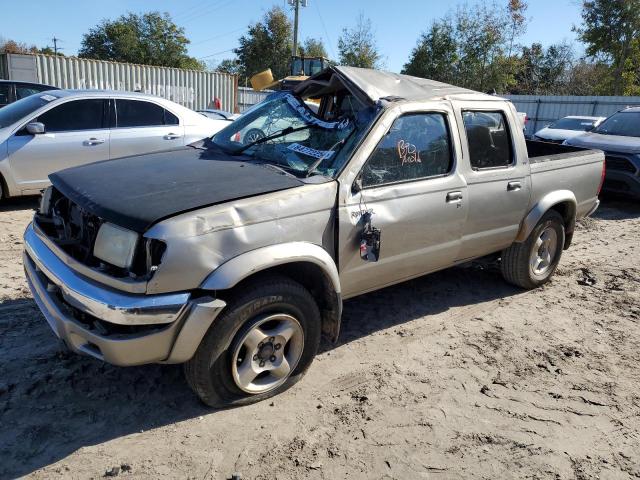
(74,230)
(620,163)
(71,228)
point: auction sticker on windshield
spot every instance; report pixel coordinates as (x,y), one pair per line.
(47,98)
(312,119)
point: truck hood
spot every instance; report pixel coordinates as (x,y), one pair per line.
(136,192)
(608,143)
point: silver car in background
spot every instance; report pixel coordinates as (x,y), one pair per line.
(566,128)
(58,129)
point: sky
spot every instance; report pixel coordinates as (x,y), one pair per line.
(214,26)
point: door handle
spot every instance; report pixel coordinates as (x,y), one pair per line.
(513,186)
(171,136)
(453,197)
(93,141)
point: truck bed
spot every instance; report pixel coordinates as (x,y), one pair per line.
(557,167)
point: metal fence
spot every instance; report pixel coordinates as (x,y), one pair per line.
(545,109)
(247,97)
(191,88)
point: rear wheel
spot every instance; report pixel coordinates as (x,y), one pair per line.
(261,344)
(532,263)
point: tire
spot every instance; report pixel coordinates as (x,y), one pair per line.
(518,263)
(252,135)
(268,306)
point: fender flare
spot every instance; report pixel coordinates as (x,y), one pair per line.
(233,271)
(543,206)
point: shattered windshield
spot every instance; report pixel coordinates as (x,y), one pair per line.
(287,132)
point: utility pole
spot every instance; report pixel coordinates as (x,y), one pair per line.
(296,7)
(55,45)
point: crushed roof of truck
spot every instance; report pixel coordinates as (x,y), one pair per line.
(378,85)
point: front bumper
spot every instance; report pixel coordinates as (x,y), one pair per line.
(117,327)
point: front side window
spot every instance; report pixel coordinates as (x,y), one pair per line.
(489,139)
(137,113)
(417,146)
(74,115)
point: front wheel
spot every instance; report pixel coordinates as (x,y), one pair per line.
(531,263)
(260,345)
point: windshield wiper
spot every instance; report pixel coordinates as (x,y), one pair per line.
(279,134)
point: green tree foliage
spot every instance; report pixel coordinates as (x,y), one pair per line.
(149,39)
(11,46)
(471,47)
(435,54)
(611,31)
(229,65)
(267,44)
(313,47)
(357,46)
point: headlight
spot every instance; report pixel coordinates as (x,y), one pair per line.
(45,201)
(115,245)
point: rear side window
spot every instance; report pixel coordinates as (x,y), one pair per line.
(74,115)
(489,139)
(417,146)
(136,113)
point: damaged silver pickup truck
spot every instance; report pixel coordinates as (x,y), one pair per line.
(234,255)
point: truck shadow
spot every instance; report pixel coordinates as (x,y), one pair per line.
(52,402)
(19,203)
(616,207)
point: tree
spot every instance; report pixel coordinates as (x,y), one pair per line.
(11,46)
(149,39)
(357,46)
(229,65)
(611,29)
(267,44)
(313,47)
(435,56)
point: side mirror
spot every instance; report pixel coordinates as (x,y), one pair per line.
(35,128)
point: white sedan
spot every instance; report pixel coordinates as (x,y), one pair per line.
(567,127)
(58,129)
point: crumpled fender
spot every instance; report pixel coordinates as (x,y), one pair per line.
(238,268)
(542,207)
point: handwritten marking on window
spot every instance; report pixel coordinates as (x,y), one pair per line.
(408,152)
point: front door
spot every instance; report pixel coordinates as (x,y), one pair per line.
(76,133)
(410,186)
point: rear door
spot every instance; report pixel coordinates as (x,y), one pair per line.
(143,126)
(416,197)
(497,174)
(76,132)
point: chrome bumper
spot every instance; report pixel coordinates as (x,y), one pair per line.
(173,325)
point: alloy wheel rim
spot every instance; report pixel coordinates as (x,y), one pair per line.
(266,355)
(544,252)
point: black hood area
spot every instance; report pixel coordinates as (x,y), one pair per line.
(136,192)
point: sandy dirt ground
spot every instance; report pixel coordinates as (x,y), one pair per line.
(454,375)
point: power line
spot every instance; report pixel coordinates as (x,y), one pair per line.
(217,53)
(219,36)
(204,13)
(325,30)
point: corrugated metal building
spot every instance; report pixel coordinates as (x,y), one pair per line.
(545,109)
(247,97)
(191,88)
